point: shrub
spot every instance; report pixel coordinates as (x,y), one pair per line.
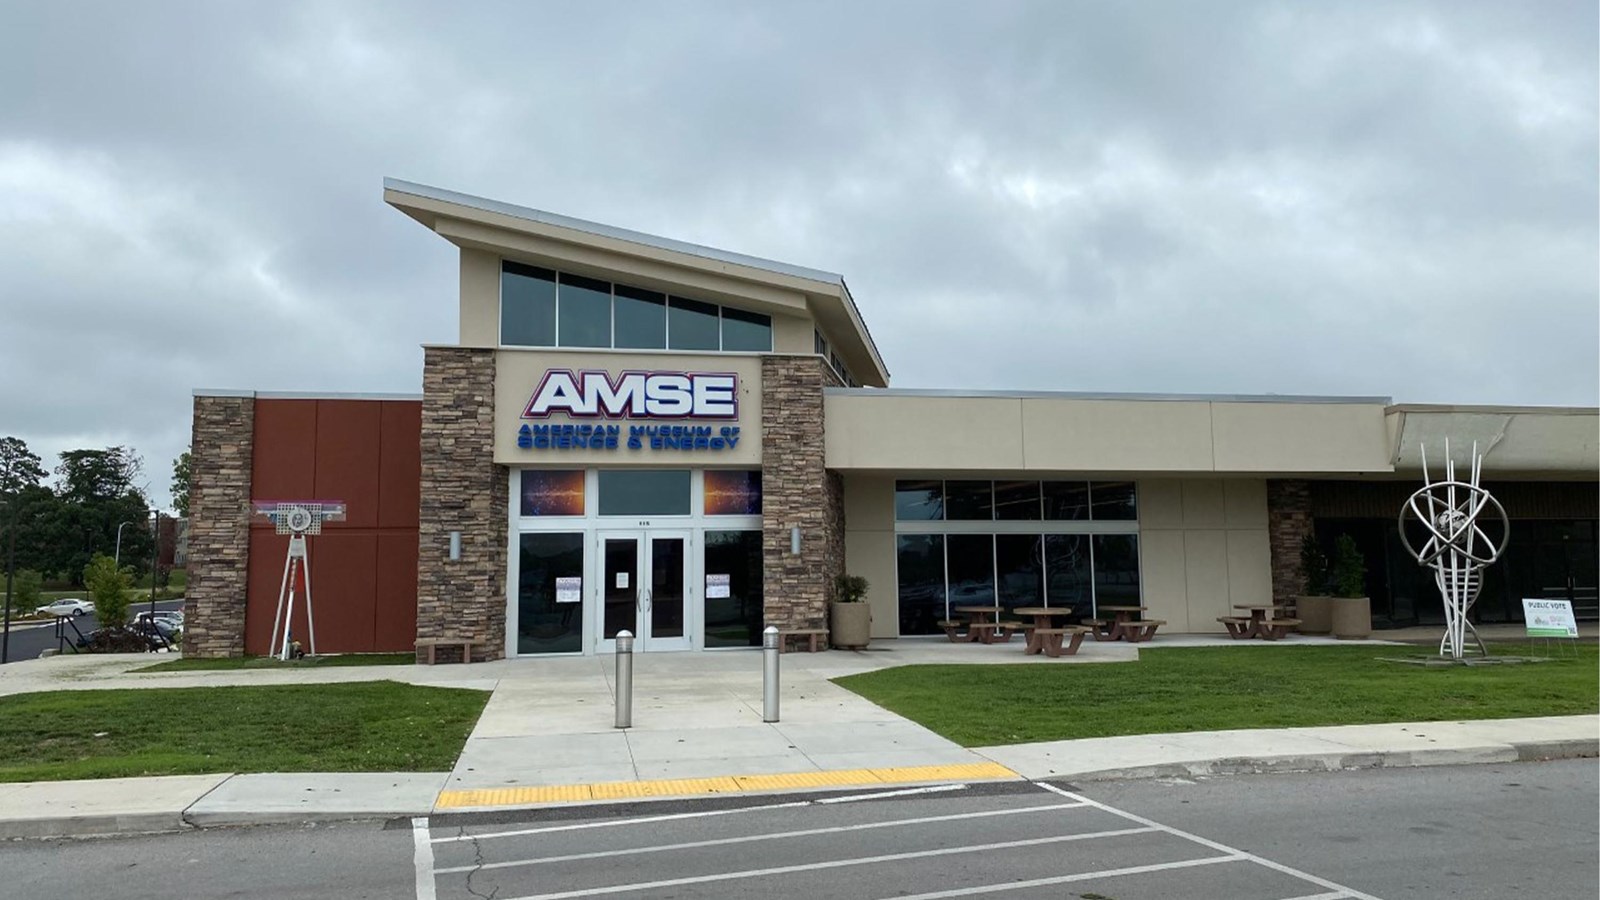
(25,590)
(1349,572)
(1314,566)
(849,588)
(108,587)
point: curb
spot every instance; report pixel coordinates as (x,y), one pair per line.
(1532,751)
(109,825)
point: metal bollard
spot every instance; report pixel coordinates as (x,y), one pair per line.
(624,679)
(769,693)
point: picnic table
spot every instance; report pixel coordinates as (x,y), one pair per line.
(984,626)
(1263,621)
(1123,626)
(1043,635)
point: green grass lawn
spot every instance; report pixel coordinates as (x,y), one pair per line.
(371,726)
(267,662)
(1216,688)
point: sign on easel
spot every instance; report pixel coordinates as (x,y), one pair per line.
(1549,618)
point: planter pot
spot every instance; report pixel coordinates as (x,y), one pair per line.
(1315,614)
(1352,617)
(850,624)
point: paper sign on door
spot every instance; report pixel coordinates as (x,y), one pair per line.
(717,587)
(622,581)
(569,590)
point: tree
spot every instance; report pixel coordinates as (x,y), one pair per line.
(109,586)
(98,474)
(180,484)
(20,468)
(96,493)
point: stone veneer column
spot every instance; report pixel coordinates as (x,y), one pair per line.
(797,489)
(220,468)
(462,490)
(1288,523)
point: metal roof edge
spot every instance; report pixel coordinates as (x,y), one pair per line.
(1097,395)
(1491,409)
(305,395)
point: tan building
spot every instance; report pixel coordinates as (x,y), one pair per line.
(637,433)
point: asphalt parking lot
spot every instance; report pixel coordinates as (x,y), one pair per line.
(1021,840)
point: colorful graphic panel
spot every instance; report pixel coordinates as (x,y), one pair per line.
(732,492)
(552,493)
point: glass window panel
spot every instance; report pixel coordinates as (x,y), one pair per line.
(745,330)
(1066,500)
(919,564)
(971,568)
(1066,566)
(734,620)
(1016,500)
(918,501)
(585,312)
(732,492)
(968,500)
(1019,563)
(1113,500)
(543,624)
(1116,569)
(552,493)
(691,325)
(641,319)
(527,305)
(646,492)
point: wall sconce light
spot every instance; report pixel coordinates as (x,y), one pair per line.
(794,540)
(455,545)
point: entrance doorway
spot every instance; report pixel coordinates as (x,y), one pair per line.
(643,583)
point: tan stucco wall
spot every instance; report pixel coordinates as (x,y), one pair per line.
(898,432)
(793,334)
(1202,548)
(480,298)
(518,373)
(869,546)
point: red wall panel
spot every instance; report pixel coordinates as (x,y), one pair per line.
(364,569)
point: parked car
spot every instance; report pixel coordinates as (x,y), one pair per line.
(67,606)
(168,623)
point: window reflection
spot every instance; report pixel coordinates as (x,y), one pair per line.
(641,319)
(918,500)
(550,593)
(968,500)
(584,311)
(691,325)
(919,558)
(527,305)
(971,568)
(1113,500)
(1019,564)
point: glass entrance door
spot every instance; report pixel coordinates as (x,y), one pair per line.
(644,581)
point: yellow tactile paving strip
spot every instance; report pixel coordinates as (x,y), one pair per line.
(727,784)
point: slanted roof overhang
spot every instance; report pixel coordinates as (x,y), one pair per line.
(552,239)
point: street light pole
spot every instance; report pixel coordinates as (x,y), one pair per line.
(118,559)
(155,562)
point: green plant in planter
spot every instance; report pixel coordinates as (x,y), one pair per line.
(849,589)
(1313,565)
(1348,573)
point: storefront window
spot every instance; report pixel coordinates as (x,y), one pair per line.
(1066,500)
(918,501)
(550,593)
(692,325)
(644,492)
(1116,569)
(641,319)
(746,330)
(971,567)
(968,500)
(1019,567)
(552,493)
(527,305)
(584,311)
(732,492)
(733,592)
(919,558)
(1113,500)
(1016,500)
(1066,566)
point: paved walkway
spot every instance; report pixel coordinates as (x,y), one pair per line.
(547,736)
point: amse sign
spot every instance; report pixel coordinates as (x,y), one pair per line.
(635,395)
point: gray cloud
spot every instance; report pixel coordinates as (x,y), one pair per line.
(1390,198)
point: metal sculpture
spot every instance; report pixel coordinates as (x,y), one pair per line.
(1458,548)
(297,519)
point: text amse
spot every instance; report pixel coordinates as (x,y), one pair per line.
(660,395)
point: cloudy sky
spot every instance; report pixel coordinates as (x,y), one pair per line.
(1368,198)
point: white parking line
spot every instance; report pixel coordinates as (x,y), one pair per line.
(935,789)
(422,858)
(831,864)
(1335,895)
(748,838)
(1065,879)
(613,823)
(1335,889)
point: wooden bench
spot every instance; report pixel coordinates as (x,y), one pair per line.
(1102,629)
(1238,626)
(815,639)
(431,645)
(1049,640)
(1141,630)
(1272,629)
(989,632)
(952,627)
